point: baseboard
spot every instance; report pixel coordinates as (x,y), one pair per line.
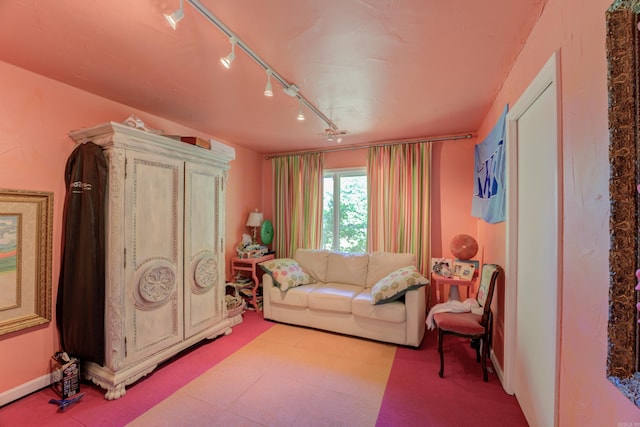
(497,368)
(25,389)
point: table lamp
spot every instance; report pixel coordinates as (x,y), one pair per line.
(255,221)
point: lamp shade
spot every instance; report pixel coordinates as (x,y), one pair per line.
(255,219)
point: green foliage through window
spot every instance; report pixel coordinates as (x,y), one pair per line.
(344,216)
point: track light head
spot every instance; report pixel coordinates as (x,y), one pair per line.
(176,16)
(334,134)
(300,112)
(268,90)
(227,60)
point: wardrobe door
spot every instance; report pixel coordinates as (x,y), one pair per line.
(204,265)
(154,200)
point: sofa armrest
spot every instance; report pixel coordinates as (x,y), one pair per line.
(267,284)
(416,311)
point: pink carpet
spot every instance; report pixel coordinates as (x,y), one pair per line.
(415,395)
(94,410)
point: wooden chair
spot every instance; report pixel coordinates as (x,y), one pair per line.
(472,325)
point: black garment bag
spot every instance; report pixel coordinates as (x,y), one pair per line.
(81,288)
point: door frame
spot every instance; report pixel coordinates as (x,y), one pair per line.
(548,75)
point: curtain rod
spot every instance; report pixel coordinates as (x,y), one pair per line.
(362,147)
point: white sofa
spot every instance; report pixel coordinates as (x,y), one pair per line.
(339,300)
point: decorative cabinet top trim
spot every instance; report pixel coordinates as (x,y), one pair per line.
(113,134)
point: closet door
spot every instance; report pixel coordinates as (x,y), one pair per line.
(204,265)
(154,198)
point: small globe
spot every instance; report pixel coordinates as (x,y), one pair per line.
(463,246)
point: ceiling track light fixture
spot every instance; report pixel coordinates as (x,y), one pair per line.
(300,112)
(176,16)
(227,60)
(268,90)
(289,88)
(334,134)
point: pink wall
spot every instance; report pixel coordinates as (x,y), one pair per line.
(345,159)
(244,194)
(577,29)
(36,114)
(452,191)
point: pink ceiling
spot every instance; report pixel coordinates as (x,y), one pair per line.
(379,69)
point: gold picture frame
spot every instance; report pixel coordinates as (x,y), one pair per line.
(26,234)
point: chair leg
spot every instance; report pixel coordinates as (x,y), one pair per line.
(477,343)
(485,351)
(440,339)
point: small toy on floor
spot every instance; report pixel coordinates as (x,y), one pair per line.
(63,404)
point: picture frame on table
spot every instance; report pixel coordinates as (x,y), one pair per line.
(26,230)
(465,270)
(438,264)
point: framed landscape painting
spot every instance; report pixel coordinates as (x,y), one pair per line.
(25,259)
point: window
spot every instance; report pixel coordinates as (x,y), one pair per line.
(344,214)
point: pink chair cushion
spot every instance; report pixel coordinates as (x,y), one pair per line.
(464,323)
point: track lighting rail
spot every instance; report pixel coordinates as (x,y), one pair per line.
(290,88)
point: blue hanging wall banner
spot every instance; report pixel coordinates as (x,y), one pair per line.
(489,190)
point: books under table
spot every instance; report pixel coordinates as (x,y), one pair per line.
(241,279)
(246,292)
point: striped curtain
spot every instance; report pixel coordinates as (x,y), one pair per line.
(398,187)
(298,203)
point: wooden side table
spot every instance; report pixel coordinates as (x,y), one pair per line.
(250,265)
(440,281)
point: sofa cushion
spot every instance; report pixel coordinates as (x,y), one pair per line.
(333,297)
(350,269)
(391,312)
(314,262)
(396,284)
(383,263)
(286,273)
(295,297)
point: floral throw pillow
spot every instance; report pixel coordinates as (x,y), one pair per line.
(396,284)
(286,273)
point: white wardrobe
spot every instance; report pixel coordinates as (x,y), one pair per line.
(165,263)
